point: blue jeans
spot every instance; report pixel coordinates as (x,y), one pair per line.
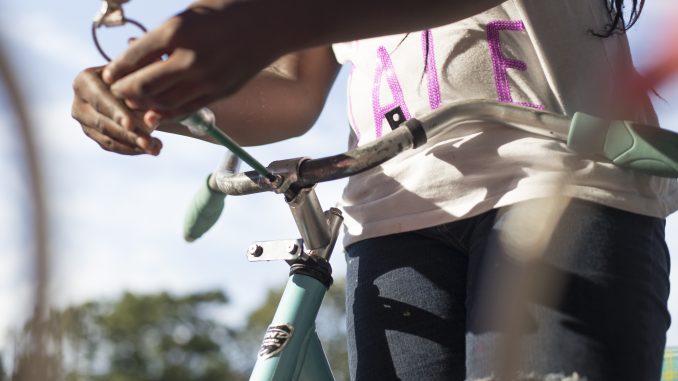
(433,304)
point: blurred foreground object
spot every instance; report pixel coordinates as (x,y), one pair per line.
(665,66)
(34,368)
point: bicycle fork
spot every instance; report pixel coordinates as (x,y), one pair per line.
(291,349)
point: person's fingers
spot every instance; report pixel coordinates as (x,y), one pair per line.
(147,60)
(174,99)
(86,115)
(89,88)
(153,117)
(151,146)
(140,125)
(146,48)
(139,87)
(109,144)
(139,138)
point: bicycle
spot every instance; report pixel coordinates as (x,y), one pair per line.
(291,349)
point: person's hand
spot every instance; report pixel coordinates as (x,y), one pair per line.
(211,50)
(106,120)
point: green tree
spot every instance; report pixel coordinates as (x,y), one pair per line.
(158,337)
(162,337)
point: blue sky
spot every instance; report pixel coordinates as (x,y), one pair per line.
(116,221)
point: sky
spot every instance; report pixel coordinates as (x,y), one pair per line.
(116,221)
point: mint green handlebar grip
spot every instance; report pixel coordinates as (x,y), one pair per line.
(639,147)
(203,213)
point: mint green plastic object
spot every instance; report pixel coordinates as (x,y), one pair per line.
(203,213)
(642,148)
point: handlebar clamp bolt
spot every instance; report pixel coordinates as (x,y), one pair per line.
(292,248)
(255,250)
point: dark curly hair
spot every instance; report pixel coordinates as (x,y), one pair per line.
(619,23)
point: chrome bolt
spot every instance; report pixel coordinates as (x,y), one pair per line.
(255,250)
(292,248)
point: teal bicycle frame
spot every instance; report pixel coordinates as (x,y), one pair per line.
(302,357)
(291,349)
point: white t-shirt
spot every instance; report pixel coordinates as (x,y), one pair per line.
(536,53)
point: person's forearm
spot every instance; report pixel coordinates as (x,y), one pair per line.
(257,114)
(282,102)
(305,23)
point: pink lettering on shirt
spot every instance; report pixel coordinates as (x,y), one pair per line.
(351,116)
(500,63)
(431,70)
(385,68)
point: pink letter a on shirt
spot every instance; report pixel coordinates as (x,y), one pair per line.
(385,68)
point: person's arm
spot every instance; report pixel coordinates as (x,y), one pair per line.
(216,46)
(282,101)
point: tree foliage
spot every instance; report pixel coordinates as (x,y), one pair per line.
(162,337)
(156,337)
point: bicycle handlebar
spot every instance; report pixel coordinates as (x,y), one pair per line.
(642,148)
(313,171)
(208,203)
